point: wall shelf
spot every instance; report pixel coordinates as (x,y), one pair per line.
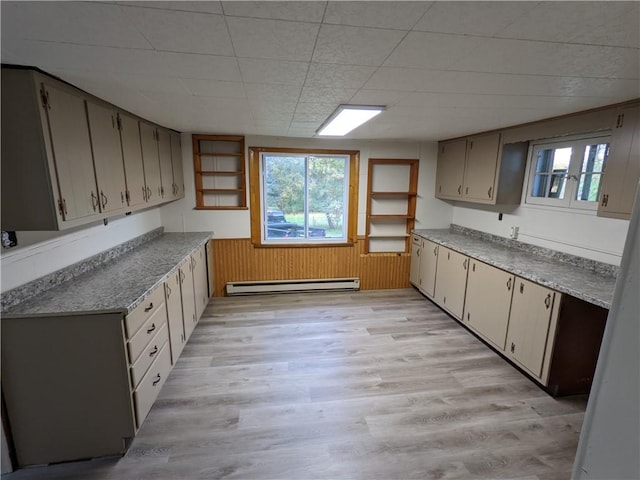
(220,175)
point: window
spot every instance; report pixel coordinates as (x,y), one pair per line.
(567,173)
(303,197)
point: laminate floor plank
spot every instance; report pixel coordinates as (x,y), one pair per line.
(341,385)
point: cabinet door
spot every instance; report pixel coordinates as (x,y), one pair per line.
(72,153)
(177,337)
(188,297)
(531,310)
(488,302)
(451,281)
(167,188)
(148,139)
(132,156)
(176,166)
(107,157)
(450,169)
(622,167)
(480,170)
(201,289)
(416,251)
(428,267)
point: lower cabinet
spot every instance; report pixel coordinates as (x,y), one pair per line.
(80,386)
(451,281)
(532,313)
(424,258)
(416,252)
(200,284)
(488,301)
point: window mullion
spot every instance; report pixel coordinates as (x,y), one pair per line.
(306,197)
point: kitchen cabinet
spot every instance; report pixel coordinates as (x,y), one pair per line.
(428,266)
(107,157)
(132,157)
(200,286)
(151,162)
(416,252)
(167,185)
(622,167)
(450,169)
(451,281)
(173,299)
(488,302)
(187,292)
(530,336)
(481,169)
(176,166)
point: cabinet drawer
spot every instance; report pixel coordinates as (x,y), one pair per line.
(149,354)
(142,312)
(141,339)
(151,383)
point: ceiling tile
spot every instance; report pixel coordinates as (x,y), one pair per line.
(272,93)
(273,71)
(201,66)
(400,78)
(594,23)
(213,88)
(431,50)
(89,23)
(274,39)
(327,95)
(324,109)
(202,6)
(397,15)
(308,11)
(377,97)
(472,18)
(326,75)
(355,45)
(176,31)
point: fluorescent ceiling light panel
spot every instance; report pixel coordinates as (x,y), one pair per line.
(347,118)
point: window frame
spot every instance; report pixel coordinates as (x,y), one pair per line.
(574,171)
(257,195)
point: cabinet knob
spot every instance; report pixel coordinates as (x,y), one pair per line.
(509,284)
(521,287)
(157,379)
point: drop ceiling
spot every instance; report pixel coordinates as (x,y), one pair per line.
(443,69)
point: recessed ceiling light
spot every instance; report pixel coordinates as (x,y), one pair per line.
(347,118)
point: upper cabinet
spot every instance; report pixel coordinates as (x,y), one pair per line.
(68,158)
(176,165)
(622,168)
(481,169)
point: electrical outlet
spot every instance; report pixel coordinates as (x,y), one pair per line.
(514,232)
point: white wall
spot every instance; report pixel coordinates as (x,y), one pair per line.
(41,253)
(610,436)
(431,213)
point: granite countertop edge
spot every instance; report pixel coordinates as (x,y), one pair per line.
(163,255)
(447,238)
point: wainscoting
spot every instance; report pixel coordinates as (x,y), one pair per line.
(236,260)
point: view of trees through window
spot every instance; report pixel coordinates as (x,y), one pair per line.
(304,196)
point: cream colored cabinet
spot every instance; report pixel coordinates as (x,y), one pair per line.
(177,188)
(530,333)
(451,281)
(151,162)
(188,297)
(480,168)
(450,169)
(167,185)
(488,301)
(107,157)
(200,286)
(132,156)
(173,299)
(428,267)
(416,252)
(622,167)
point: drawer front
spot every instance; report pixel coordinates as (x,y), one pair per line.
(143,312)
(149,330)
(151,383)
(149,354)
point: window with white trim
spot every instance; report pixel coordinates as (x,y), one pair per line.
(567,173)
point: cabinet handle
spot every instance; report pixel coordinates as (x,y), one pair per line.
(605,199)
(465,263)
(513,347)
(144,193)
(154,351)
(468,317)
(435,250)
(448,255)
(149,308)
(160,192)
(459,189)
(149,193)
(94,201)
(418,252)
(547,301)
(151,328)
(168,290)
(473,267)
(509,284)
(64,206)
(105,200)
(466,191)
(521,287)
(122,197)
(128,197)
(157,379)
(489,192)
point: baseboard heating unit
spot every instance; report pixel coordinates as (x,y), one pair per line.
(291,286)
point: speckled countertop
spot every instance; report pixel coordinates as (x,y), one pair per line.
(587,284)
(116,286)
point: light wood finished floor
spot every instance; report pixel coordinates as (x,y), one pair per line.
(368,385)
